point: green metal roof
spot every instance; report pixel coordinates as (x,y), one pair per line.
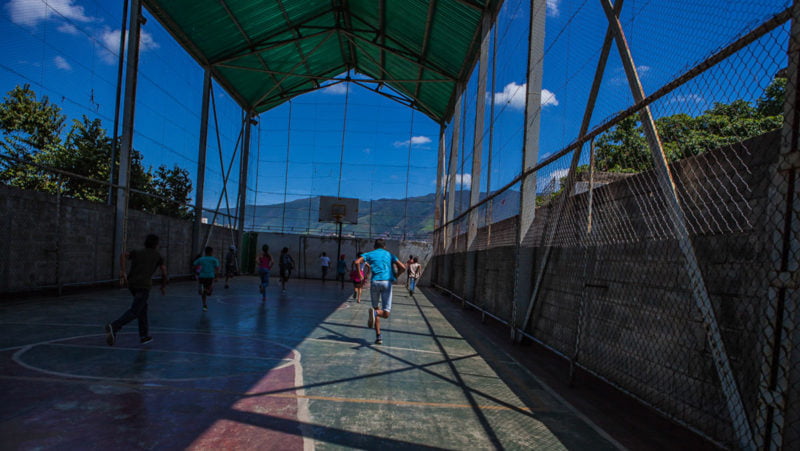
(264,52)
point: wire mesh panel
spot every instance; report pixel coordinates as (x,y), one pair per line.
(658,262)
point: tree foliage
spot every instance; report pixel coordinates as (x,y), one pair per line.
(624,148)
(30,128)
(32,135)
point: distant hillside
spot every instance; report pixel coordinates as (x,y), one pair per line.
(412,216)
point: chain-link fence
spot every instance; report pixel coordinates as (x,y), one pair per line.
(653,240)
(63,82)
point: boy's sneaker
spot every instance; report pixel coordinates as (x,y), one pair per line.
(378,340)
(111,337)
(205,308)
(371,319)
(145,340)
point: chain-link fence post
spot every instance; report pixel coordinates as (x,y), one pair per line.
(778,419)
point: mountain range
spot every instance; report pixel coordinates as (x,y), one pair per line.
(410,217)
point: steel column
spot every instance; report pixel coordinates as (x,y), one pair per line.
(438,207)
(201,164)
(450,211)
(530,154)
(741,424)
(477,142)
(243,176)
(559,207)
(126,142)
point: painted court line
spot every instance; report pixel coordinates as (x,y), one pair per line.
(17,358)
(169,351)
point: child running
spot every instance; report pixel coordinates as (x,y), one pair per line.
(286,264)
(208,274)
(357,276)
(414,271)
(264,262)
(144,263)
(382,264)
(341,269)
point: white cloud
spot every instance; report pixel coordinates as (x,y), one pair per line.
(61,63)
(552,8)
(68,28)
(463,180)
(415,140)
(336,90)
(30,12)
(514,95)
(109,50)
(549,98)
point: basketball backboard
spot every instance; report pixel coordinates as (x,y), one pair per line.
(338,209)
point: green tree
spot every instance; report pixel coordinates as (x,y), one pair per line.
(624,147)
(771,103)
(172,184)
(87,151)
(31,130)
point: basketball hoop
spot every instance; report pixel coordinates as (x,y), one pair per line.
(338,211)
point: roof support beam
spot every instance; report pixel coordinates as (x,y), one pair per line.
(289,25)
(403,50)
(327,78)
(425,41)
(345,12)
(177,32)
(244,33)
(472,4)
(302,62)
(426,110)
(255,46)
(382,34)
(401,54)
(337,11)
(399,98)
(269,45)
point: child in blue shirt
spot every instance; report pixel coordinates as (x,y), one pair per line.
(208,274)
(382,266)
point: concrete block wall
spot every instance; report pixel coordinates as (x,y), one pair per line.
(640,328)
(46,241)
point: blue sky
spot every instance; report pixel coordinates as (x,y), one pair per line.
(66,50)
